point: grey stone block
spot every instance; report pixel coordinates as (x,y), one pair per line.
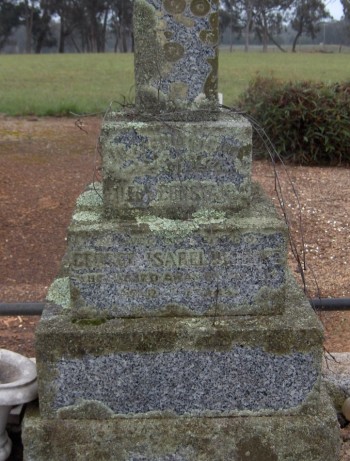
(172,169)
(209,265)
(274,438)
(176,57)
(187,382)
(173,366)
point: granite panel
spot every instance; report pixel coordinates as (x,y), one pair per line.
(187,382)
(173,169)
(209,265)
(176,57)
(192,276)
(176,366)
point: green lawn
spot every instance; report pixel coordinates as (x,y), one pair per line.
(53,84)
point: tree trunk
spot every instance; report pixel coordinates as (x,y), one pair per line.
(62,37)
(276,43)
(296,38)
(75,44)
(249,12)
(29,26)
(265,36)
(124,39)
(104,29)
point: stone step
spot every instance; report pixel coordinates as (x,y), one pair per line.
(275,438)
(173,169)
(182,366)
(210,265)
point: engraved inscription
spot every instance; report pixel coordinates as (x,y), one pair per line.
(179,258)
(98,260)
(196,275)
(169,193)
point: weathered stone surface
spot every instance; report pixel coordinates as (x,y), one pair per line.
(176,43)
(172,169)
(229,366)
(218,383)
(209,265)
(275,438)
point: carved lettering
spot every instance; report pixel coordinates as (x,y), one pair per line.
(88,259)
(179,258)
(91,278)
(134,293)
(189,193)
(93,260)
(130,193)
(170,259)
(218,258)
(195,258)
(156,258)
(135,193)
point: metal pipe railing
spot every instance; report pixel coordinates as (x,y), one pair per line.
(9,309)
(320,304)
(330,304)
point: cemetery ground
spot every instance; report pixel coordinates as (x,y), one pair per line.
(46,162)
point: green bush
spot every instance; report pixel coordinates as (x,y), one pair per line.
(308,122)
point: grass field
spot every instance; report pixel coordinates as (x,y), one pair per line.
(53,84)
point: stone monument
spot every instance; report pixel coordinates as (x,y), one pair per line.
(175,332)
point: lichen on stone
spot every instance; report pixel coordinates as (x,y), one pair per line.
(206,216)
(90,199)
(170,228)
(59,292)
(87,216)
(175,228)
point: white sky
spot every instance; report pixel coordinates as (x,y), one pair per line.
(335,8)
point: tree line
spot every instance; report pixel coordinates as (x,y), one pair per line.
(87,25)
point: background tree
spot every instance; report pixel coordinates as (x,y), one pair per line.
(41,27)
(306,17)
(84,22)
(69,13)
(346,8)
(268,18)
(121,24)
(9,20)
(230,18)
(247,10)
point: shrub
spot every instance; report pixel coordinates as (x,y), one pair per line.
(308,122)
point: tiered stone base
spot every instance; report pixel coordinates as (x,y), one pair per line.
(253,438)
(200,389)
(182,366)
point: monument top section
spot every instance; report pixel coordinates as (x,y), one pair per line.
(176,56)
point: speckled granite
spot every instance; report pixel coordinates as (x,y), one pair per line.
(209,265)
(276,438)
(173,169)
(176,60)
(210,382)
(179,366)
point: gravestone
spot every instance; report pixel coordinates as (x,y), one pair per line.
(176,332)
